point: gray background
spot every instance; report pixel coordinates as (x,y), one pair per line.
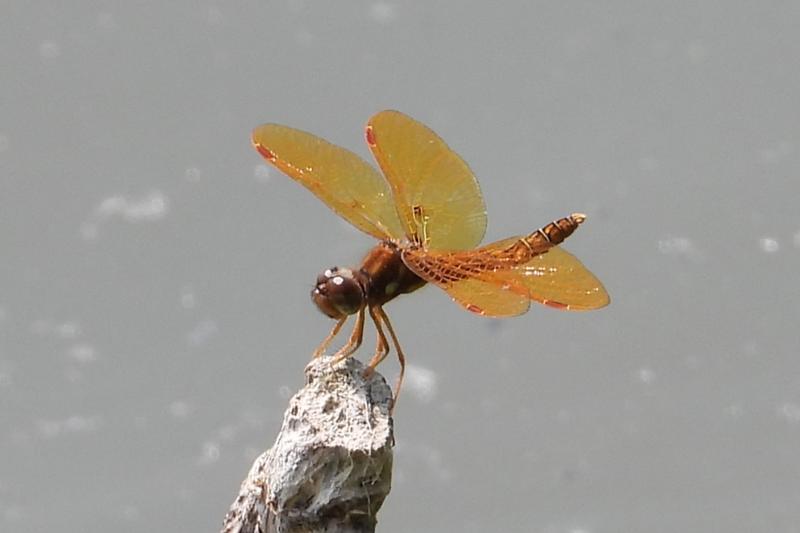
(154,309)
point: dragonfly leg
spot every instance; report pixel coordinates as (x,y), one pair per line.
(382,348)
(353,342)
(400,355)
(336,328)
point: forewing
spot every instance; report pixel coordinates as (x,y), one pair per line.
(437,196)
(345,182)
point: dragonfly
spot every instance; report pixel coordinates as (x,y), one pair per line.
(428,215)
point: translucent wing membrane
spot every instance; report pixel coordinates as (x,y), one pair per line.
(437,196)
(345,182)
(486,297)
(556,278)
(493,279)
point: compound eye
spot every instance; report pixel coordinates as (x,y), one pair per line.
(338,293)
(325,276)
(345,293)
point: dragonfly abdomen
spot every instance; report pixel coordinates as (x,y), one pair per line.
(544,238)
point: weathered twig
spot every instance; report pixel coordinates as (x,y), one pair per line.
(331,466)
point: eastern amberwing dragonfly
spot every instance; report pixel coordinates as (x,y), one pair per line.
(428,214)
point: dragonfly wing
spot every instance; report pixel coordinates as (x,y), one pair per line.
(437,196)
(487,298)
(489,282)
(475,291)
(346,183)
(558,279)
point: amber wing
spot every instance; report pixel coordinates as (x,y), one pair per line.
(438,198)
(489,282)
(345,182)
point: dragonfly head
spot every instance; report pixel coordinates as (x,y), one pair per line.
(338,293)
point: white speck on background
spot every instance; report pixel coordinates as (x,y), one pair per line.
(790,411)
(284,392)
(697,52)
(680,247)
(751,349)
(193,174)
(648,164)
(676,246)
(210,453)
(202,333)
(68,330)
(149,208)
(646,375)
(304,37)
(421,382)
(180,409)
(188,298)
(769,245)
(83,353)
(734,410)
(261,173)
(382,12)
(776,153)
(131,512)
(73,424)
(152,206)
(49,49)
(106,21)
(796,239)
(3,142)
(13,514)
(213,15)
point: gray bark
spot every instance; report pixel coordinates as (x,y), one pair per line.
(330,468)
